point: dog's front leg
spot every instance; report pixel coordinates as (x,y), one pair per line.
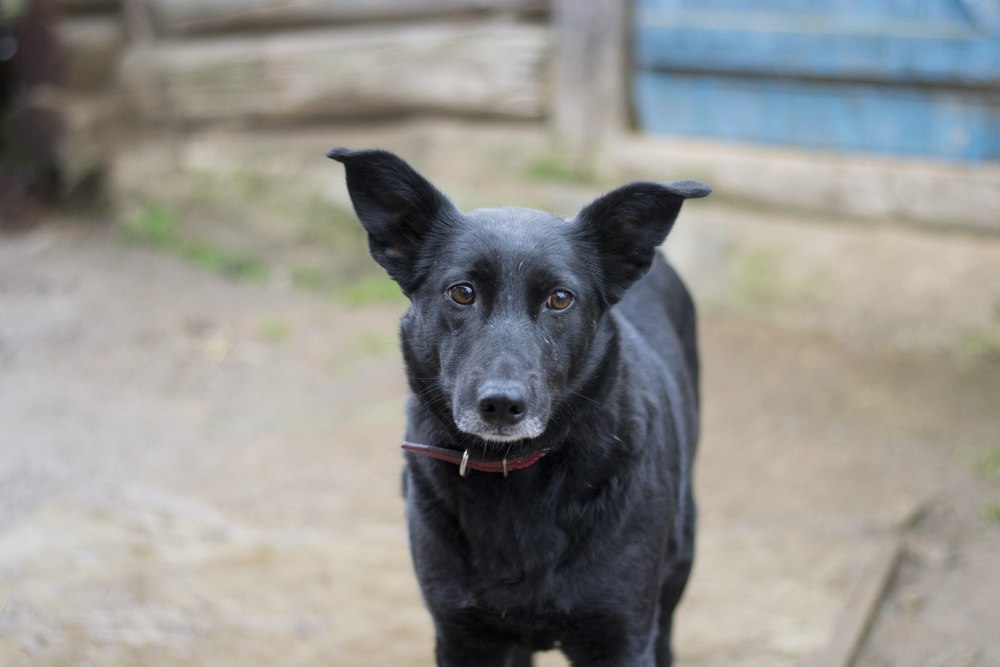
(463,647)
(611,645)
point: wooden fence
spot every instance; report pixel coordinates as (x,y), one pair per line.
(188,63)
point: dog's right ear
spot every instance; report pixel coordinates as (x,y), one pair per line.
(627,224)
(397,207)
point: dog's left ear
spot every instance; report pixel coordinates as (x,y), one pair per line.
(397,207)
(629,223)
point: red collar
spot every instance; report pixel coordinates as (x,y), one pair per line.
(465,462)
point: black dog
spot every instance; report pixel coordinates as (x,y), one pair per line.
(553,416)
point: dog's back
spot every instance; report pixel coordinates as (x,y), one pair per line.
(661,310)
(660,307)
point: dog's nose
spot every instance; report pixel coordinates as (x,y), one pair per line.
(502,404)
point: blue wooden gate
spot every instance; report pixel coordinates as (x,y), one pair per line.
(900,77)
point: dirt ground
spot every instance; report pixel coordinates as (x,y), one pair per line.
(196,470)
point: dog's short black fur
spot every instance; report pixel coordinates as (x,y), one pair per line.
(528,332)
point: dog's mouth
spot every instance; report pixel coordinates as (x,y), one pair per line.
(526,429)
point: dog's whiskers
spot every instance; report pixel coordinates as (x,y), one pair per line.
(586,398)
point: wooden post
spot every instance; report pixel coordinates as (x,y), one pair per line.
(592,62)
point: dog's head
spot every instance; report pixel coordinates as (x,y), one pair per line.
(505,303)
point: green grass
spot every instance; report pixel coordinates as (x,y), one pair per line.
(757,276)
(223,261)
(988,466)
(371,289)
(311,281)
(156,225)
(983,343)
(357,291)
(373,344)
(274,331)
(557,169)
(349,277)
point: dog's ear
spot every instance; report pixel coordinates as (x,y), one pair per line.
(397,207)
(628,224)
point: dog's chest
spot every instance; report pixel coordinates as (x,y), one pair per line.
(513,531)
(528,545)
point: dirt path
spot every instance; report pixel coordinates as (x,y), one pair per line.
(196,471)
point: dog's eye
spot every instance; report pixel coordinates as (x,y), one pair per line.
(462,293)
(559,300)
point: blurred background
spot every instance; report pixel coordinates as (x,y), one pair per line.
(200,390)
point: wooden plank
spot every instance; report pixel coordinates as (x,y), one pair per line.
(898,78)
(91,123)
(93,46)
(495,69)
(945,123)
(87,6)
(192,16)
(591,101)
(859,612)
(824,50)
(939,196)
(927,12)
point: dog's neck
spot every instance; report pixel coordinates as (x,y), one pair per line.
(483,463)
